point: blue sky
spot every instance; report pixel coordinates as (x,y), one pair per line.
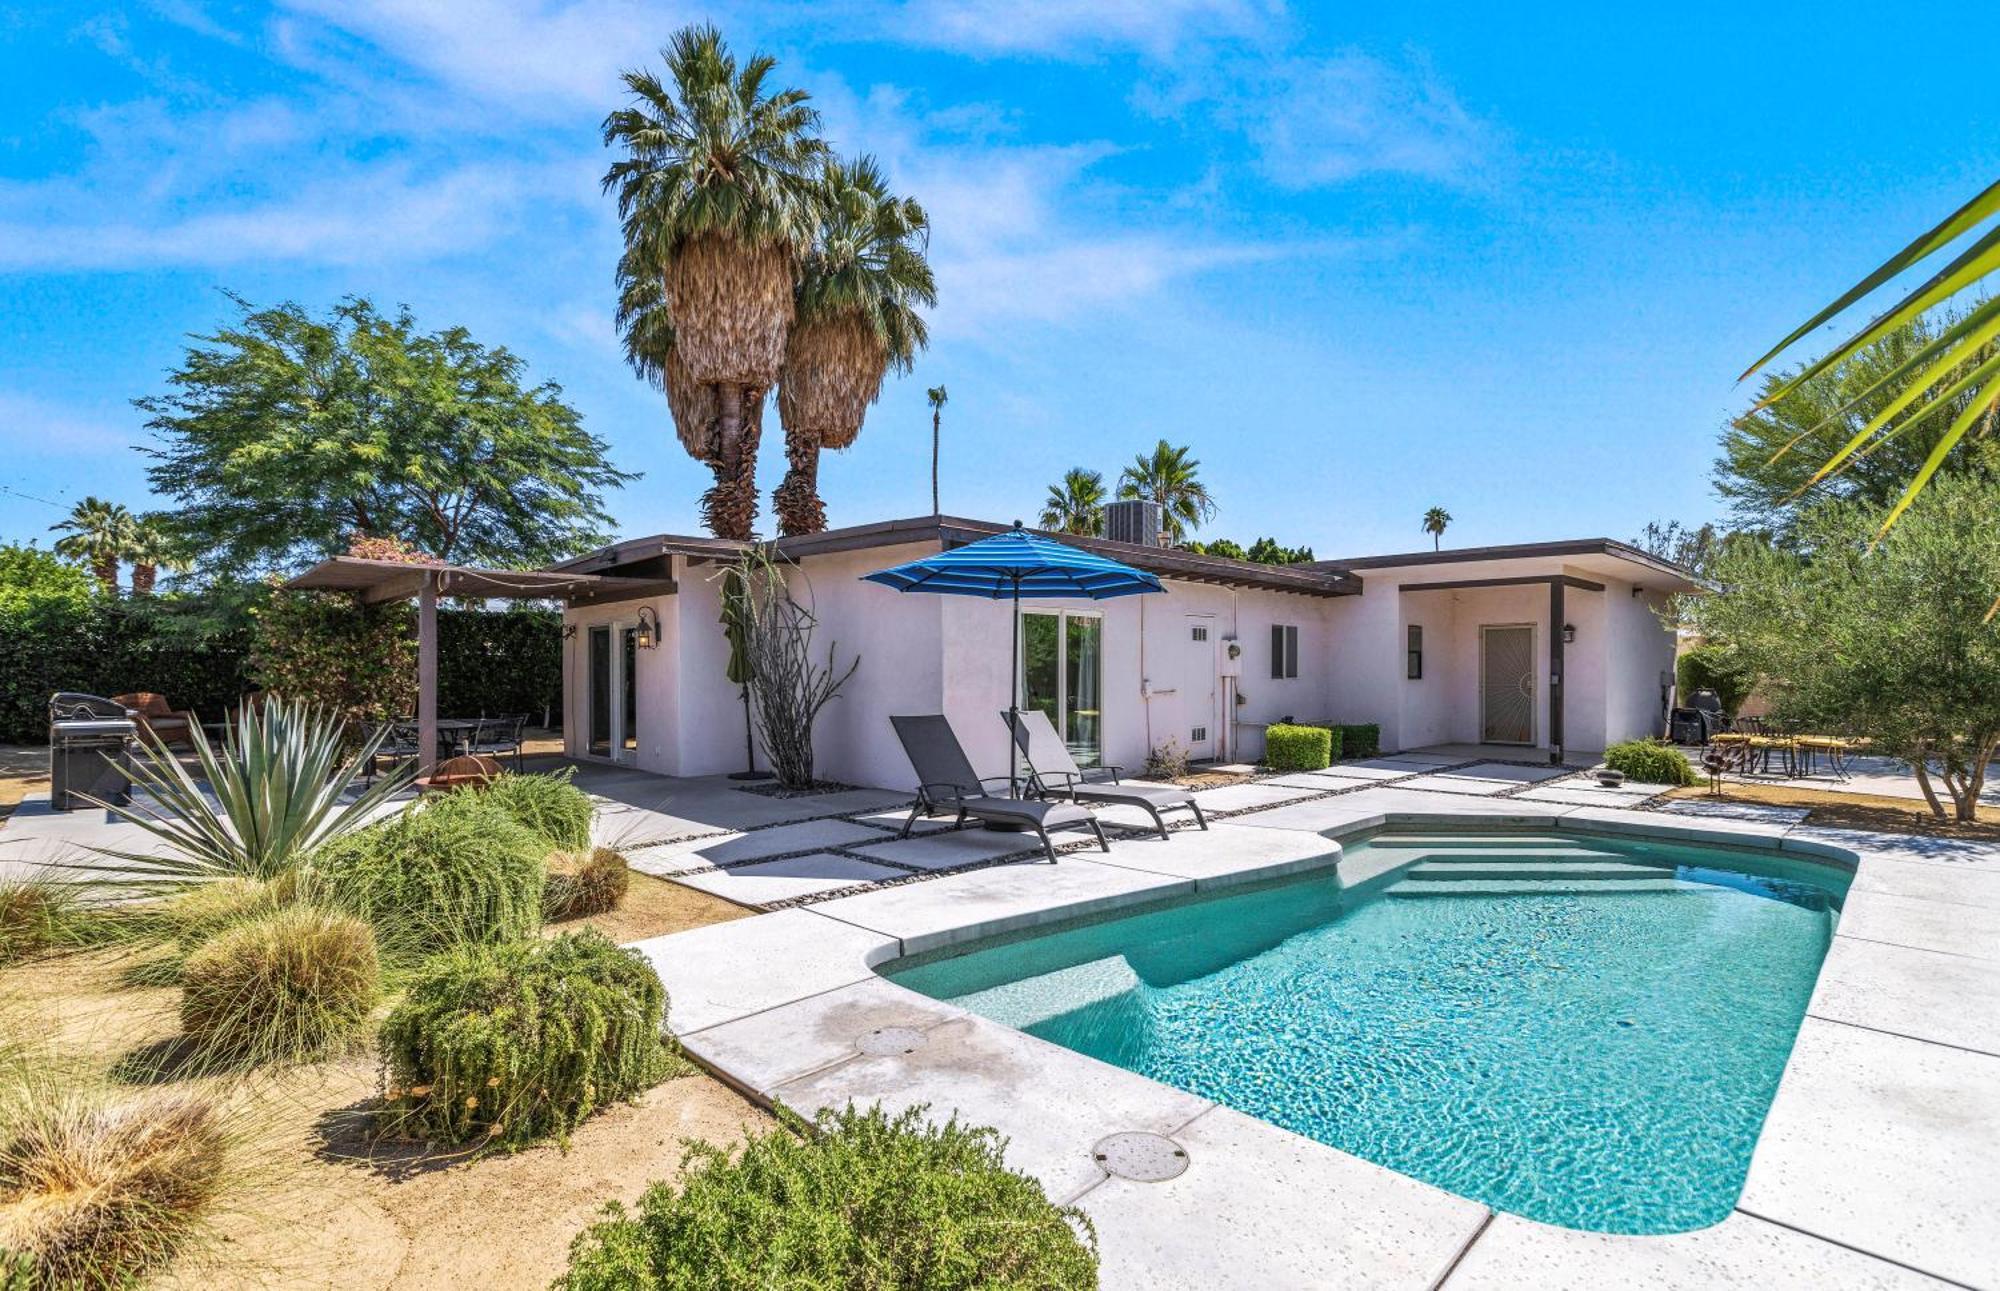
(1502,258)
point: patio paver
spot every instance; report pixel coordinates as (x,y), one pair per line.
(1886,1144)
(1237,797)
(950,848)
(756,844)
(766,1049)
(796,876)
(1225,853)
(731,970)
(1456,782)
(1909,992)
(1320,1217)
(1924,925)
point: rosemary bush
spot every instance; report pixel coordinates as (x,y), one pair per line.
(517,1042)
(858,1200)
(456,869)
(555,810)
(1650,762)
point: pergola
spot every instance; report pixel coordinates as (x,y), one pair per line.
(376,581)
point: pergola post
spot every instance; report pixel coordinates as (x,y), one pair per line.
(427,673)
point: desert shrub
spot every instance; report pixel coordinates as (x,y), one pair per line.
(36,915)
(520,1041)
(1167,761)
(580,885)
(290,984)
(1297,748)
(1718,668)
(555,810)
(1649,762)
(860,1200)
(96,1194)
(1362,740)
(455,869)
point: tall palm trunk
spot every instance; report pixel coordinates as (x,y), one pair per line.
(730,507)
(797,500)
(105,569)
(144,574)
(935,510)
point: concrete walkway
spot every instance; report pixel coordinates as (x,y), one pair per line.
(1875,1167)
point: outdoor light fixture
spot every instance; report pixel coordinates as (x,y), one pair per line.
(1569,633)
(649,628)
(569,630)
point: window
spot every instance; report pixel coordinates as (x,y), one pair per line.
(1284,650)
(1416,671)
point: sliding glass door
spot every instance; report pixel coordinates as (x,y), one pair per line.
(1062,674)
(612,662)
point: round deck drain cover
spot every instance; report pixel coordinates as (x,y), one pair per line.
(887,1042)
(1140,1157)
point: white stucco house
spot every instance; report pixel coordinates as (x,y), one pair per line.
(1550,648)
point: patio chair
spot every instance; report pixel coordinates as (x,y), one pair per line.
(1055,774)
(497,735)
(945,779)
(158,718)
(400,742)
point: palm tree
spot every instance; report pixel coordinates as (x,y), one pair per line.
(1168,476)
(1435,520)
(151,546)
(1076,505)
(938,399)
(715,195)
(1952,369)
(96,533)
(858,293)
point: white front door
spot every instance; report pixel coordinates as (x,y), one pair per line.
(1197,687)
(1507,684)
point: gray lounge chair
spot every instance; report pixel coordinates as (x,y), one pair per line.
(946,781)
(1056,774)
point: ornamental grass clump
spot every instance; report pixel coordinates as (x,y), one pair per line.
(1650,762)
(857,1199)
(580,885)
(96,1193)
(508,1044)
(549,806)
(37,915)
(288,985)
(451,871)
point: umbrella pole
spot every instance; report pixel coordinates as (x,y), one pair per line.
(1014,699)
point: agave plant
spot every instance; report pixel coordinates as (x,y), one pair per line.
(277,789)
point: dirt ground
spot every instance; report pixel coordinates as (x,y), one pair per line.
(23,770)
(653,908)
(1838,810)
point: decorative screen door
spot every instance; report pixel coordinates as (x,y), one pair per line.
(1507,684)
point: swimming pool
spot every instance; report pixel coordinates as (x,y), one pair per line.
(1581,1030)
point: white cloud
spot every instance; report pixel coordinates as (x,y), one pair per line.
(1076,28)
(540,54)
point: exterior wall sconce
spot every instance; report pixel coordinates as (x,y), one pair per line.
(569,631)
(1569,633)
(649,628)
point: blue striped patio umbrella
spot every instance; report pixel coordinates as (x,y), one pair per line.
(1009,566)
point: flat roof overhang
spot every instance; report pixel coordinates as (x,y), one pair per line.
(956,531)
(393,580)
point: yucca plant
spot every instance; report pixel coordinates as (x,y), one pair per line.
(1958,369)
(277,788)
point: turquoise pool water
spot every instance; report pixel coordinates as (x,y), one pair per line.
(1582,1031)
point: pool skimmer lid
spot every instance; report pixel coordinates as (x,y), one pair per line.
(890,1042)
(1140,1157)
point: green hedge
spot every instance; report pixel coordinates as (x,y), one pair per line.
(511,1043)
(1362,741)
(859,1199)
(197,652)
(1650,762)
(1297,748)
(1714,667)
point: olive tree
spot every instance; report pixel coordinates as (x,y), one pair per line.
(1888,639)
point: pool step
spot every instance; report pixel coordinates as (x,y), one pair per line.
(1606,870)
(1414,887)
(1540,856)
(1471,842)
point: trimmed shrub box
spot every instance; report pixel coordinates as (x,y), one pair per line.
(1297,748)
(1650,762)
(857,1199)
(1359,741)
(453,870)
(549,806)
(512,1043)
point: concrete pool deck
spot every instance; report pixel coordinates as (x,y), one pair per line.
(1876,1165)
